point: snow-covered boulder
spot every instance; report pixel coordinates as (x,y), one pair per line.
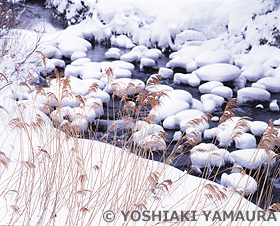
(207,159)
(245,141)
(218,72)
(252,94)
(208,86)
(257,127)
(239,182)
(253,158)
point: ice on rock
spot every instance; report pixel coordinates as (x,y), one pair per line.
(218,72)
(257,127)
(239,182)
(253,73)
(253,158)
(223,91)
(147,62)
(274,106)
(252,94)
(165,72)
(122,41)
(168,107)
(245,141)
(208,86)
(207,159)
(178,94)
(212,57)
(125,86)
(78,55)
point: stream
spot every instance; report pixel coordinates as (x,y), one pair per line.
(34,13)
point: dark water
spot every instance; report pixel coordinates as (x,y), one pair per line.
(181,161)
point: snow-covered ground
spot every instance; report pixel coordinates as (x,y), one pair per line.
(74,181)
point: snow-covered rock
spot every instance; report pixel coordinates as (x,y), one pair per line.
(253,158)
(252,94)
(165,72)
(212,57)
(208,86)
(207,159)
(218,72)
(239,182)
(223,91)
(245,141)
(257,127)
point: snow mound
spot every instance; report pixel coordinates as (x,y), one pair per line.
(253,158)
(245,141)
(239,182)
(252,94)
(207,159)
(218,72)
(125,86)
(212,57)
(208,86)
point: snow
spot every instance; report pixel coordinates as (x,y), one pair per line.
(210,39)
(212,57)
(253,72)
(218,72)
(207,159)
(239,182)
(184,117)
(252,94)
(168,107)
(122,41)
(245,141)
(271,84)
(257,127)
(208,86)
(253,158)
(273,106)
(223,91)
(165,72)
